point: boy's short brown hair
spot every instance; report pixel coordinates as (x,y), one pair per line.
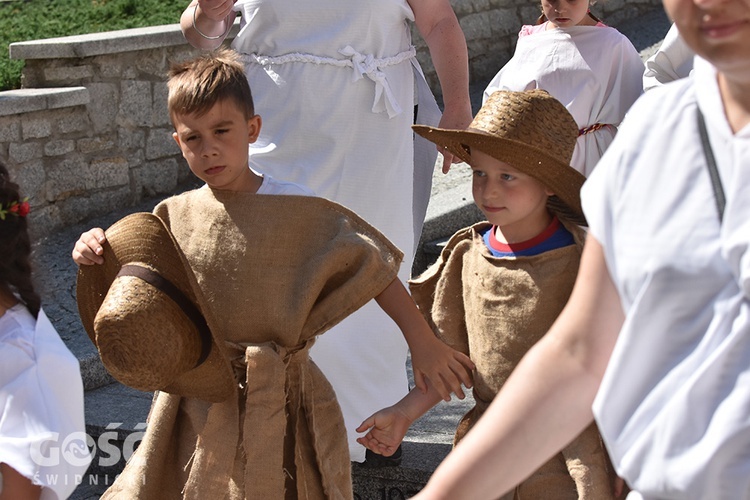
(195,86)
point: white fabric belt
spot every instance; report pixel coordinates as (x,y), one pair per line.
(363,65)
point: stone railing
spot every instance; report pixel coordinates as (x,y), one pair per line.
(89,131)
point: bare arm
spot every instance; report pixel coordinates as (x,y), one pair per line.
(387,427)
(446,368)
(546,401)
(438,25)
(213,18)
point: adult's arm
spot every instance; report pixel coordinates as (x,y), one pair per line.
(438,25)
(547,400)
(213,18)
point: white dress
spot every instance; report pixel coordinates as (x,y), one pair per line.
(593,70)
(42,431)
(674,405)
(335,84)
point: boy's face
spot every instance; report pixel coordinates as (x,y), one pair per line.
(717,30)
(215,145)
(510,199)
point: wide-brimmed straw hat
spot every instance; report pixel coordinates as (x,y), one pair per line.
(533,132)
(144,312)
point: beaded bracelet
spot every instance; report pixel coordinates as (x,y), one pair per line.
(217,37)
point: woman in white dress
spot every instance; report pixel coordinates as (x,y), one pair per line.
(338,85)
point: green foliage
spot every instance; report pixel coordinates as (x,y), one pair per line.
(22,20)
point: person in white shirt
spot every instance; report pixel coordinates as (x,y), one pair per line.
(655,340)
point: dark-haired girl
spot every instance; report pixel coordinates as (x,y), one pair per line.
(43,451)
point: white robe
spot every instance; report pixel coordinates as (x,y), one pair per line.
(674,405)
(335,84)
(593,70)
(42,431)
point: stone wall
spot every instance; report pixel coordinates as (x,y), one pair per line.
(89,130)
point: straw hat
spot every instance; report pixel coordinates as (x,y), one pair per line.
(142,310)
(533,132)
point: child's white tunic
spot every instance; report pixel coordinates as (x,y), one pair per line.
(674,405)
(593,70)
(42,431)
(334,82)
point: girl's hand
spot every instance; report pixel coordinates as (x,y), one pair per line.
(446,368)
(88,249)
(385,430)
(216,10)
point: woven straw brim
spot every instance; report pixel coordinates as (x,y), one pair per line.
(558,177)
(143,337)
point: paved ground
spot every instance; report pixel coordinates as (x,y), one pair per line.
(106,403)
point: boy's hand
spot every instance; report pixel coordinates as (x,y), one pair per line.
(88,249)
(445,367)
(387,429)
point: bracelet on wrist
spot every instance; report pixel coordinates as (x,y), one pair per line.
(207,37)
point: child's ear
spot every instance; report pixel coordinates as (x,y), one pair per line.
(548,192)
(177,140)
(254,125)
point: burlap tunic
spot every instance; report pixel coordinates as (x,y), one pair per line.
(276,271)
(494,309)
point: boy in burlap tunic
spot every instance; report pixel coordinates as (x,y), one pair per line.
(499,285)
(244,412)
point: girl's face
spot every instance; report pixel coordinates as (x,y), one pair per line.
(717,30)
(510,199)
(566,13)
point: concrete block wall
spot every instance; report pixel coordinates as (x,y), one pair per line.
(89,131)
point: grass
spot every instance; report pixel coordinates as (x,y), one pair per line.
(22,20)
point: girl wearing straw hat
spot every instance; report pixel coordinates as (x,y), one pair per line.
(499,285)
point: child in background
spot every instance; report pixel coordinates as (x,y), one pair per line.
(276,272)
(591,68)
(41,392)
(499,285)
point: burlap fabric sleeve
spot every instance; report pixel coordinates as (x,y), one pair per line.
(495,309)
(276,271)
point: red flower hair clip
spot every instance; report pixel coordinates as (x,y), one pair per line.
(19,209)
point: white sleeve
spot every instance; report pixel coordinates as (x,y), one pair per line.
(672,61)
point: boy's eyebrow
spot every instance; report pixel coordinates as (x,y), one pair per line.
(220,124)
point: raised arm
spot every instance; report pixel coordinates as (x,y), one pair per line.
(438,25)
(546,401)
(205,23)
